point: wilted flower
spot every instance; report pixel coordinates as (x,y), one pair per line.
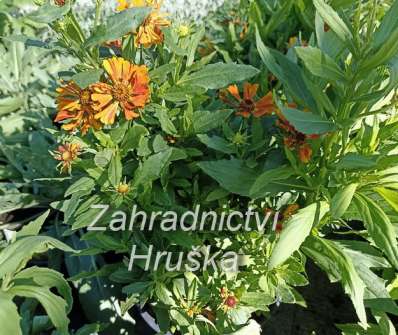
(247,105)
(305,153)
(75,106)
(66,154)
(290,210)
(128,89)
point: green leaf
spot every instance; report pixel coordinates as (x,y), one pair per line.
(193,45)
(354,161)
(379,227)
(289,73)
(48,278)
(33,228)
(332,259)
(84,184)
(215,76)
(182,93)
(133,137)
(49,13)
(165,121)
(296,231)
(232,175)
(260,187)
(54,305)
(333,20)
(10,104)
(115,169)
(217,143)
(258,300)
(387,27)
(320,64)
(86,78)
(9,317)
(16,255)
(160,73)
(152,167)
(118,25)
(389,195)
(204,121)
(384,54)
(342,200)
(308,123)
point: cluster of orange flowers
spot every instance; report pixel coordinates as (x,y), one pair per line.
(247,106)
(127,88)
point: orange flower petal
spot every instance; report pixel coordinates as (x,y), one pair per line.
(107,116)
(249,91)
(233,90)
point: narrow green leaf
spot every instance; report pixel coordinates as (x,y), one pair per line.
(379,227)
(220,75)
(195,40)
(33,228)
(342,200)
(115,169)
(296,231)
(332,259)
(334,21)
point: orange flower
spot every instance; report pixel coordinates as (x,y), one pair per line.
(305,153)
(150,32)
(75,105)
(293,138)
(247,105)
(66,154)
(128,89)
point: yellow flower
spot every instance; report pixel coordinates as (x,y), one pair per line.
(128,89)
(75,106)
(66,154)
(123,188)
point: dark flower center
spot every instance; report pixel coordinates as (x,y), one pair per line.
(121,92)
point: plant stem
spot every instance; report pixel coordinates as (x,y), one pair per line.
(98,12)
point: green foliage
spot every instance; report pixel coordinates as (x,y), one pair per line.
(314,140)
